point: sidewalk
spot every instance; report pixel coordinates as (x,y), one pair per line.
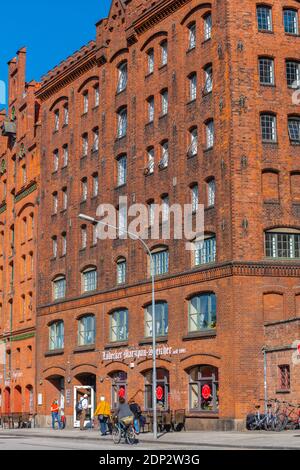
(288,440)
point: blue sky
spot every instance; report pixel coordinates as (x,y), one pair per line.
(50,29)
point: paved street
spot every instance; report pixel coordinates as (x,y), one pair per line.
(91,440)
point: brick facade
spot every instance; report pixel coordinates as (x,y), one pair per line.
(19,183)
(257,190)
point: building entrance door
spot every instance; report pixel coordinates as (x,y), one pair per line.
(79,392)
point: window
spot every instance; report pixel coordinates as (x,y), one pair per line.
(86,331)
(83,237)
(195,197)
(164,52)
(211,192)
(122,123)
(264,18)
(65,156)
(161,320)
(122,77)
(151,209)
(204,389)
(290,18)
(202,313)
(208,77)
(119,326)
(266,71)
(210,134)
(122,170)
(95,140)
(192,36)
(284,377)
(84,189)
(150,102)
(205,251)
(164,162)
(193,147)
(164,102)
(162,398)
(207,26)
(118,388)
(150,55)
(66,115)
(56,120)
(54,203)
(121,271)
(268,128)
(283,245)
(193,86)
(95,185)
(85,102)
(160,262)
(165,208)
(55,160)
(56,336)
(293,73)
(63,244)
(64,199)
(151,160)
(85,145)
(59,288)
(294,129)
(89,280)
(54,247)
(97,95)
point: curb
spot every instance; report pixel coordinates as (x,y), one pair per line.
(150,441)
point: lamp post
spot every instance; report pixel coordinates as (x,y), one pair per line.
(154,378)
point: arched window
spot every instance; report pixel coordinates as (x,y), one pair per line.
(122,123)
(290,19)
(161,320)
(164,149)
(204,389)
(86,330)
(283,243)
(208,79)
(207,26)
(264,18)
(192,35)
(89,279)
(160,258)
(59,288)
(192,86)
(122,77)
(193,142)
(56,336)
(121,271)
(164,52)
(205,250)
(210,134)
(162,389)
(119,326)
(202,313)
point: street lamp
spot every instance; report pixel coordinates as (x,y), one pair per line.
(154,379)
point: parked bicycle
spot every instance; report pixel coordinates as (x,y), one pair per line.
(278,416)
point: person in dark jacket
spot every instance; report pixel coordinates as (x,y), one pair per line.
(137,412)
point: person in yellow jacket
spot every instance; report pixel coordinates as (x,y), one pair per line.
(103,412)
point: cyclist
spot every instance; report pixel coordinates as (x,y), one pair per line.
(124,412)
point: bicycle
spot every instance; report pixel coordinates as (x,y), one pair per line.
(125,431)
(288,418)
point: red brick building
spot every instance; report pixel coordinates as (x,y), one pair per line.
(19,179)
(177,101)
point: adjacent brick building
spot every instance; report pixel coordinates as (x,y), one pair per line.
(176,101)
(19,180)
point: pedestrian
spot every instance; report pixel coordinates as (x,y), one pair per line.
(62,419)
(103,412)
(83,405)
(55,414)
(124,412)
(137,412)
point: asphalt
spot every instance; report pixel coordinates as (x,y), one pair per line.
(287,440)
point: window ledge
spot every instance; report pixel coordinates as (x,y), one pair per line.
(191,102)
(272,201)
(149,74)
(295,143)
(116,345)
(208,149)
(162,67)
(57,352)
(191,49)
(200,334)
(268,85)
(120,186)
(84,114)
(283,391)
(149,124)
(202,414)
(296,35)
(270,142)
(118,93)
(64,126)
(265,31)
(163,116)
(81,349)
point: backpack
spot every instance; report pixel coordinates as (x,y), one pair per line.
(79,407)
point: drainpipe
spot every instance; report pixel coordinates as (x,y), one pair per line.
(264,350)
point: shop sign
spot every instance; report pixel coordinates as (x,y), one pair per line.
(68,396)
(141,353)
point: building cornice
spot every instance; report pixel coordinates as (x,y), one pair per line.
(152,17)
(188,278)
(54,84)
